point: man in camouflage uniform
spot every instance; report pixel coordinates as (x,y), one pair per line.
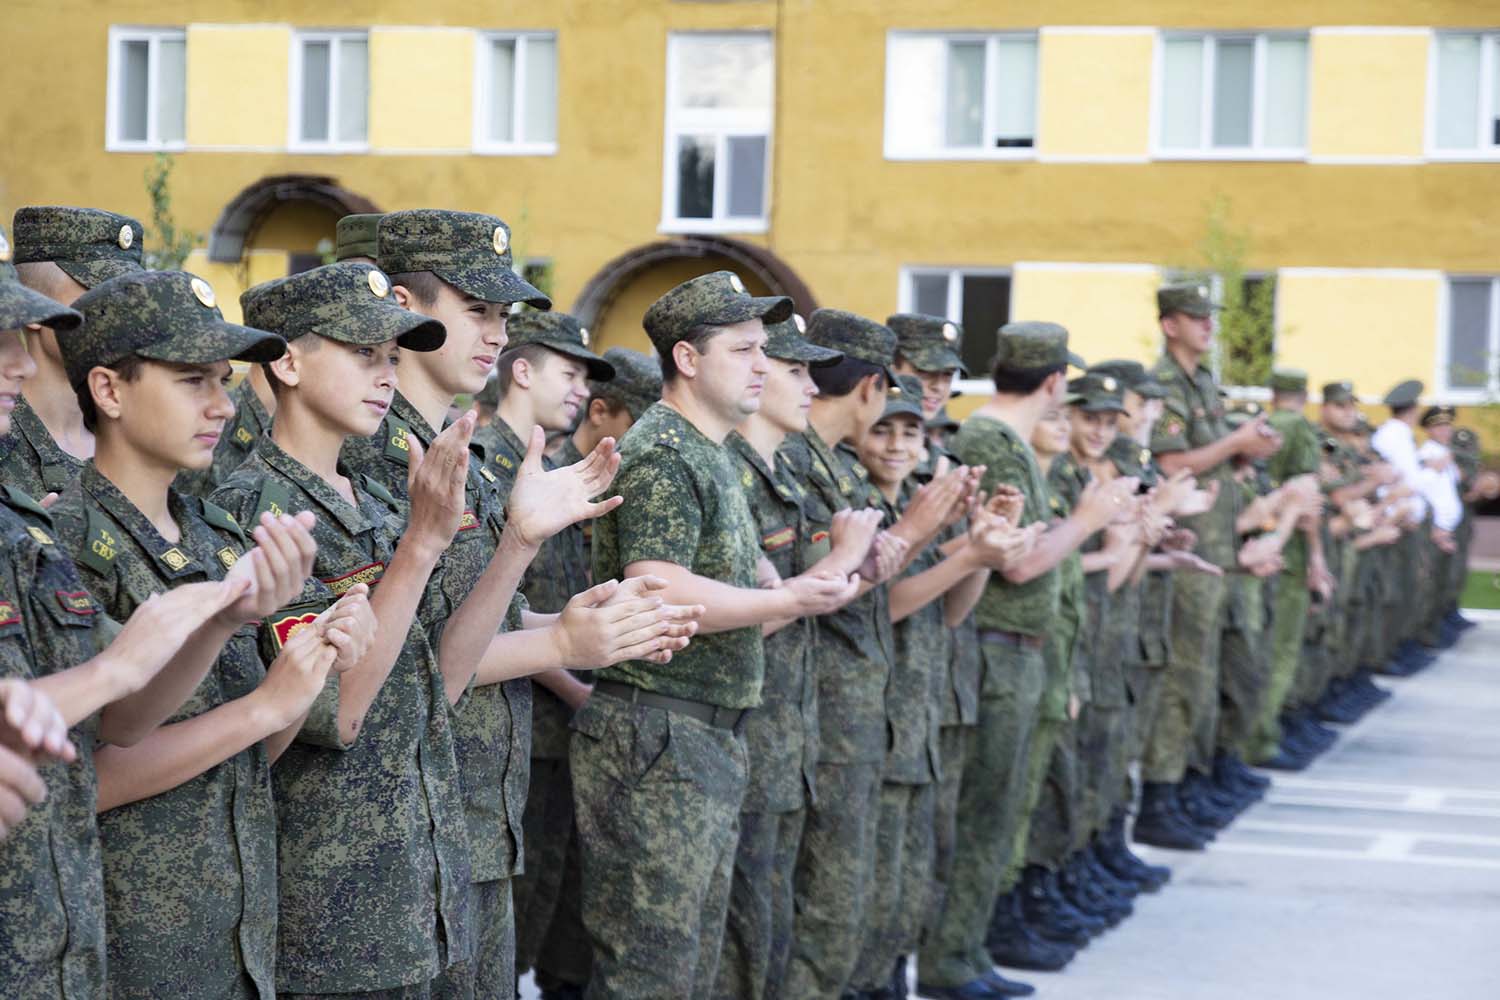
(60,252)
(657,756)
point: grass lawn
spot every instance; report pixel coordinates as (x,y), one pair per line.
(1481,591)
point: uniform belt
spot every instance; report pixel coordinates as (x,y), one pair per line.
(713,715)
(1018,639)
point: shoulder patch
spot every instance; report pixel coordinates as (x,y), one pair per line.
(777,540)
(275,498)
(288,622)
(242,438)
(76,602)
(221,518)
(100,544)
(397,444)
(9,614)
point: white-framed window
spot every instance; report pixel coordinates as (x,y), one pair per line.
(1463,118)
(147,98)
(1469,366)
(1231,96)
(515,92)
(960,96)
(330,84)
(977,298)
(718,135)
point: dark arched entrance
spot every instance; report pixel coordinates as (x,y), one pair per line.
(244,213)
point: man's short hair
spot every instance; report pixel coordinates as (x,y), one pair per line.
(698,338)
(843,376)
(128,368)
(505,374)
(423,285)
(1022,381)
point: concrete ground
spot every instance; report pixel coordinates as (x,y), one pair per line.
(1373,875)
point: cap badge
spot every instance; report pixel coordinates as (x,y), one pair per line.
(127,237)
(950,332)
(895,390)
(378,284)
(801,323)
(583,335)
(203,292)
(736,283)
(4,248)
(1202,291)
(501,240)
(1110,385)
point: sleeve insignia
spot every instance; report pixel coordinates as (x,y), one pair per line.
(819,536)
(468,521)
(8,614)
(283,629)
(778,540)
(77,602)
(369,574)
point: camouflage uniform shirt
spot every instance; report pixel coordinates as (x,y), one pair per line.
(919,677)
(1192,419)
(30,460)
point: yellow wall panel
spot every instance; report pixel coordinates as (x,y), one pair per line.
(1367,94)
(421,88)
(1094,93)
(237,85)
(1110,311)
(1374,328)
(230,280)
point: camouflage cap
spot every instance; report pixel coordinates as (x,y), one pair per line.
(1133,376)
(928,343)
(349,302)
(1191,299)
(716,299)
(1405,394)
(559,332)
(1465,440)
(1287,380)
(941,421)
(354,236)
(468,250)
(785,342)
(1338,392)
(1032,345)
(89,244)
(637,381)
(904,399)
(855,337)
(20,305)
(1438,416)
(1095,393)
(161,316)
(1363,425)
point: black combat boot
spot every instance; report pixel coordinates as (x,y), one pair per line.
(1160,822)
(1118,858)
(1052,915)
(1014,942)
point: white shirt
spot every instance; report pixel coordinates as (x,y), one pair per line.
(1447,504)
(1395,442)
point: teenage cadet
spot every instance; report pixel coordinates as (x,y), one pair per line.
(1014,614)
(658,758)
(60,252)
(149,368)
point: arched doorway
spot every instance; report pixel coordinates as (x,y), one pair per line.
(312,199)
(613,301)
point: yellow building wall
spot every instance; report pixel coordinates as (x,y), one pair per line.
(1367,94)
(1094,93)
(237,85)
(1110,312)
(1373,328)
(421,88)
(230,280)
(620,323)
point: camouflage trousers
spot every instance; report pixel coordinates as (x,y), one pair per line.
(758,932)
(419,992)
(549,927)
(1103,767)
(657,797)
(903,874)
(835,868)
(1146,682)
(1046,833)
(955,743)
(1316,667)
(989,807)
(492,970)
(1288,622)
(1245,676)
(1401,610)
(1186,724)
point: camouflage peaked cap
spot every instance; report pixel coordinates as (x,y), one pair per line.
(942,422)
(468,250)
(1438,416)
(1465,440)
(637,381)
(162,316)
(855,337)
(349,302)
(904,399)
(1338,392)
(354,236)
(929,343)
(1191,299)
(1033,345)
(20,305)
(785,341)
(1096,393)
(89,244)
(1133,376)
(1287,380)
(717,299)
(1405,394)
(561,333)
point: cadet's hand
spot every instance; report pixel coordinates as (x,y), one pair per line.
(48,500)
(31,724)
(969,491)
(543,503)
(435,482)
(885,558)
(999,545)
(278,566)
(296,676)
(612,622)
(931,504)
(1179,538)
(21,788)
(1170,493)
(1191,562)
(1198,501)
(1101,502)
(852,534)
(821,593)
(1444,540)
(1256,439)
(1008,502)
(349,627)
(163,622)
(766,577)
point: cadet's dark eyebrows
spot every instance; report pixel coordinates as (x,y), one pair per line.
(185,368)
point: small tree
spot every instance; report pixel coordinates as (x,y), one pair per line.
(1246,338)
(174,244)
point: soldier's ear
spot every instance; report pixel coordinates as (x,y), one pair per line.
(287,369)
(104,386)
(685,356)
(598,411)
(403,296)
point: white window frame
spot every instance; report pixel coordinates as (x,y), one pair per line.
(906,301)
(1467,395)
(118,36)
(723,124)
(1489,70)
(483,53)
(1205,150)
(295,142)
(987,150)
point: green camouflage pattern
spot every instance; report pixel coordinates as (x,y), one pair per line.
(20,305)
(784,342)
(1033,345)
(31,460)
(1292,380)
(1132,375)
(919,668)
(956,745)
(903,398)
(758,932)
(717,299)
(559,332)
(1046,837)
(1407,393)
(1244,663)
(550,937)
(181,922)
(1190,299)
(637,381)
(349,302)
(468,250)
(1096,393)
(390,802)
(1339,392)
(854,337)
(356,236)
(161,316)
(236,442)
(929,343)
(904,856)
(684,505)
(1193,418)
(89,244)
